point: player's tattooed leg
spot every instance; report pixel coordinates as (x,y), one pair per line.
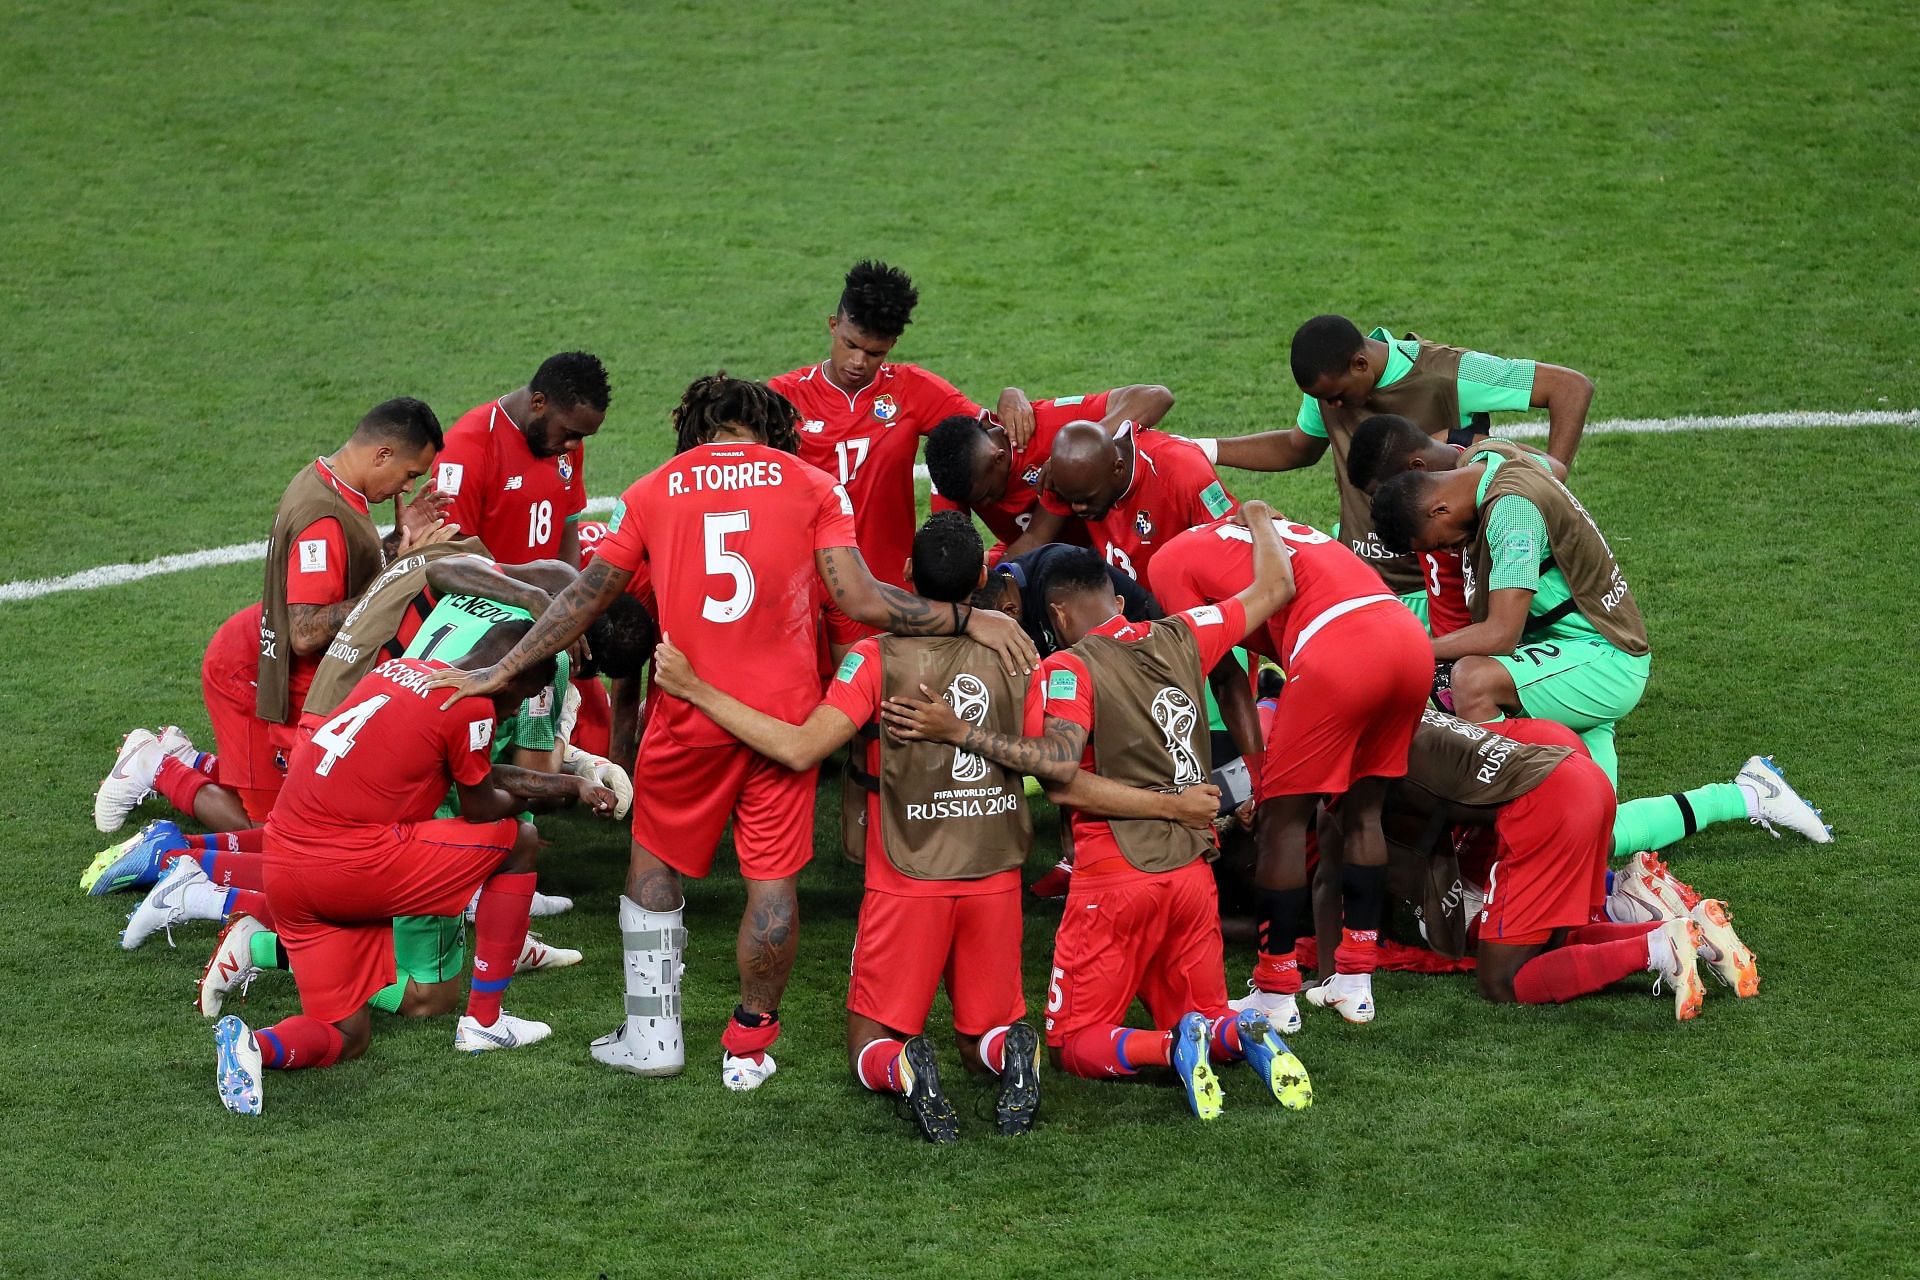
(769,937)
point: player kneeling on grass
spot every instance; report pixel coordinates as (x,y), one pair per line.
(946,831)
(351,843)
(1142,916)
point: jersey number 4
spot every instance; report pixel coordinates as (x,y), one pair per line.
(336,736)
(722,563)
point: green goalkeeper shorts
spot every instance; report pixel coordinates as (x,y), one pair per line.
(1581,684)
(430,948)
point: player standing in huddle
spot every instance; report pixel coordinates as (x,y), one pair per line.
(861,418)
(514,467)
(979,466)
(1358,671)
(733,530)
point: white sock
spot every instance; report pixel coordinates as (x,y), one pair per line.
(203,901)
(1752,796)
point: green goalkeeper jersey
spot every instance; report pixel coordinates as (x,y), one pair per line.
(450,632)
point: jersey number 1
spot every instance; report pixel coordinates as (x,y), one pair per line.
(336,736)
(722,563)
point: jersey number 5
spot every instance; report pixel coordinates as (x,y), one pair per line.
(722,563)
(336,736)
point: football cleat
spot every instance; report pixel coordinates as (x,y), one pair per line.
(1054,881)
(920,1082)
(1673,953)
(743,1075)
(1348,994)
(507,1032)
(1018,1102)
(1774,801)
(1282,1011)
(136,862)
(183,893)
(1721,948)
(1646,889)
(1191,1039)
(174,742)
(237,1072)
(127,784)
(1267,1054)
(544,904)
(535,955)
(231,965)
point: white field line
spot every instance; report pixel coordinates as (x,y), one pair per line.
(113,575)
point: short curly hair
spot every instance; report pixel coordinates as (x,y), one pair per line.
(878,298)
(947,557)
(952,447)
(572,378)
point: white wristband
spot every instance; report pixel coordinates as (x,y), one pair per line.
(1210,447)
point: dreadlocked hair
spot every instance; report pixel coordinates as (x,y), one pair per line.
(717,401)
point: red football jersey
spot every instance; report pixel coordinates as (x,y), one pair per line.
(387,756)
(1173,489)
(729,531)
(1446,581)
(1008,518)
(502,494)
(1214,562)
(868,442)
(1063,687)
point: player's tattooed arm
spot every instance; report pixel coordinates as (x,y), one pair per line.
(866,599)
(528,784)
(311,627)
(565,621)
(797,746)
(476,576)
(1054,757)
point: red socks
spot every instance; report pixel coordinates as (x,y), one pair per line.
(1225,1046)
(993,1050)
(300,1042)
(750,1035)
(878,1067)
(1358,952)
(249,902)
(1115,1051)
(1567,972)
(235,870)
(1277,974)
(1607,931)
(499,931)
(180,783)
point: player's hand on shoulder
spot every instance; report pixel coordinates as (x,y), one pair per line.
(1196,806)
(927,719)
(1015,415)
(1004,636)
(1251,510)
(672,671)
(466,684)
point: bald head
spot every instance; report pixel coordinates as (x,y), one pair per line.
(1088,470)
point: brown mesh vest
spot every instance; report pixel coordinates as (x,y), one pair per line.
(1576,547)
(1429,397)
(1150,730)
(307,499)
(948,814)
(1464,763)
(368,633)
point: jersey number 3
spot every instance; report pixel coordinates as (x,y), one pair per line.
(336,736)
(722,563)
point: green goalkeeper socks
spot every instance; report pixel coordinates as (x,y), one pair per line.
(1654,822)
(387,998)
(265,951)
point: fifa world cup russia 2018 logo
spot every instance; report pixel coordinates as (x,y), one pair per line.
(969,699)
(1176,715)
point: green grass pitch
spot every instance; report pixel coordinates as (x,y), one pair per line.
(230,228)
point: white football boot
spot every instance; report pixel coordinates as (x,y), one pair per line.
(508,1032)
(536,955)
(238,1073)
(1348,994)
(1771,800)
(174,742)
(544,904)
(743,1075)
(1673,956)
(649,1042)
(129,781)
(1282,1011)
(1729,958)
(1646,890)
(184,893)
(231,965)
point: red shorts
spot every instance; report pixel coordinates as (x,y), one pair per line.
(1127,934)
(1348,710)
(907,945)
(1551,872)
(249,761)
(335,913)
(687,793)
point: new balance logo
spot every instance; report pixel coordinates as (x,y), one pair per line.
(813,426)
(513,482)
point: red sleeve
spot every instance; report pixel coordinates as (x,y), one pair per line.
(937,503)
(317,566)
(1051,502)
(1066,690)
(941,399)
(1217,628)
(470,741)
(855,691)
(461,474)
(579,503)
(625,546)
(833,519)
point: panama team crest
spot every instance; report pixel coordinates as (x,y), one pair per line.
(885,409)
(566,468)
(1142,525)
(1031,475)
